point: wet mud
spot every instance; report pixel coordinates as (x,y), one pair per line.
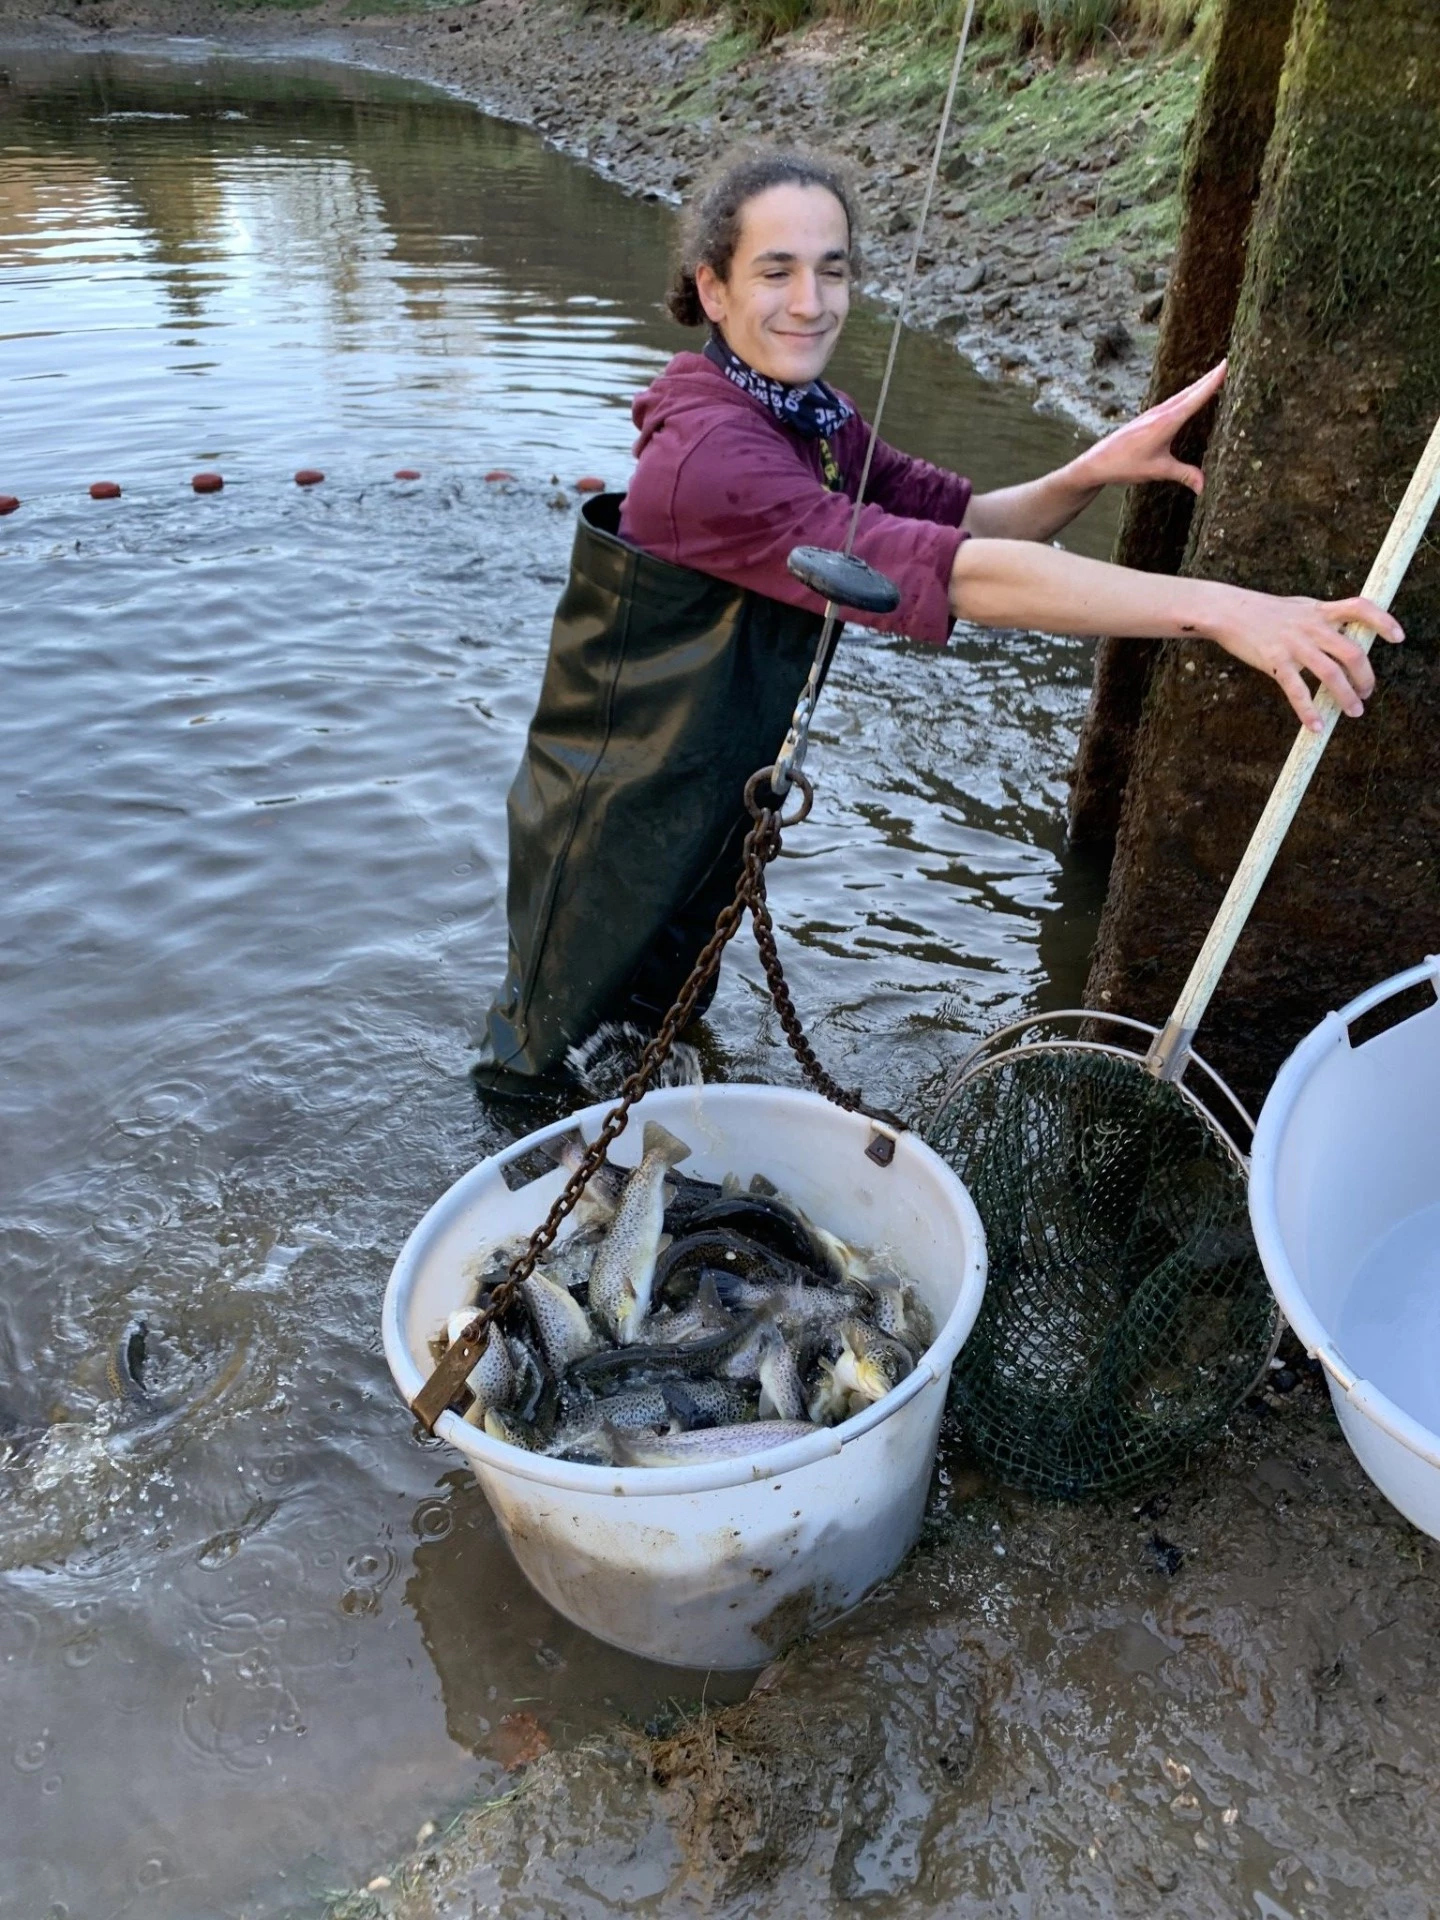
(1219,1701)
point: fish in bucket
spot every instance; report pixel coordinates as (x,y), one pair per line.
(718,1554)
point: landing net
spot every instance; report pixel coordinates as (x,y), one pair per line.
(1126,1312)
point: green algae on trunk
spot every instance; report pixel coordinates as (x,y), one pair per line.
(1334,389)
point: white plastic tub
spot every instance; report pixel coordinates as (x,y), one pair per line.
(1345,1202)
(718,1566)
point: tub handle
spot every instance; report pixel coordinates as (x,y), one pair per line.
(1368,1401)
(883,1142)
(1376,996)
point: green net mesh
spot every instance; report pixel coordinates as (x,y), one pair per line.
(1126,1312)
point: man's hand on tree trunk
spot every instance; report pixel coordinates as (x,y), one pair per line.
(1139,451)
(1287,638)
(1142,449)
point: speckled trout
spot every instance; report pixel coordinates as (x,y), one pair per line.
(706,1445)
(624,1270)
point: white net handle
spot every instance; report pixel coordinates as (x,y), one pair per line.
(1168,1057)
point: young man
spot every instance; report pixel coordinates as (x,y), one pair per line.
(683,640)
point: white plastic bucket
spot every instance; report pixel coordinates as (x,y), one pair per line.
(718,1565)
(1345,1202)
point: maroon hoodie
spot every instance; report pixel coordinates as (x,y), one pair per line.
(722,487)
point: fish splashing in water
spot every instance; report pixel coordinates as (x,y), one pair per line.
(603,1063)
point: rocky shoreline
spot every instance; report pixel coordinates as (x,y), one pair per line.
(1048,245)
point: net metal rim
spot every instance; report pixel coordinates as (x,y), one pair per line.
(1047,1434)
(1004,1044)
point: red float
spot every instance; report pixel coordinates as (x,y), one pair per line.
(208,482)
(8,503)
(499,473)
(309,477)
(587,483)
(104,490)
(407,473)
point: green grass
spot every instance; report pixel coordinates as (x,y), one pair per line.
(1133,113)
(267,6)
(1129,107)
(1056,27)
(1049,84)
(1079,26)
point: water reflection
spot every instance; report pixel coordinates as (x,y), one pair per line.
(464,1590)
(483,284)
(402,270)
(258,747)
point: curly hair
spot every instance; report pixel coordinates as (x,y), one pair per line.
(710,230)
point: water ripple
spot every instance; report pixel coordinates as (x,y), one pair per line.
(256,748)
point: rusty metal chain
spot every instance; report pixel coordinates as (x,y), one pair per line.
(762,843)
(810,1066)
(454,1367)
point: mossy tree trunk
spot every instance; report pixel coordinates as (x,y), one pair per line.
(1335,386)
(1224,157)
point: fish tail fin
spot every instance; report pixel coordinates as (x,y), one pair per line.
(712,1307)
(680,1405)
(510,1428)
(827,1400)
(567,1149)
(621,1451)
(718,1288)
(658,1139)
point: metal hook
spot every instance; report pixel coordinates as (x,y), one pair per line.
(758,807)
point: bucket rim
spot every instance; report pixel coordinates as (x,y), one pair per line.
(649,1482)
(1294,1076)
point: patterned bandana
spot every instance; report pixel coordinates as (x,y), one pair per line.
(814,410)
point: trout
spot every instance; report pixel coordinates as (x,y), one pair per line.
(624,1270)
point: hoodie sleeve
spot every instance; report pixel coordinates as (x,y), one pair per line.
(916,489)
(740,495)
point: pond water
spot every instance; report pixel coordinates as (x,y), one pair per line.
(255,749)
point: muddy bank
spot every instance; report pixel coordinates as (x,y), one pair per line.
(1217,1702)
(1047,250)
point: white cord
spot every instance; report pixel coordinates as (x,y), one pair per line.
(909,282)
(792,753)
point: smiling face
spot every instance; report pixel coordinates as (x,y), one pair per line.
(787,293)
